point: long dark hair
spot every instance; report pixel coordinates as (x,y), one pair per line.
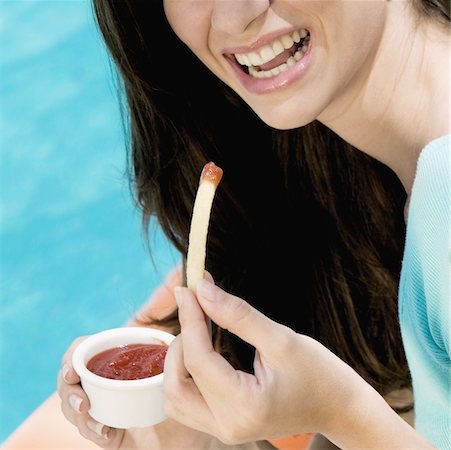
(304,227)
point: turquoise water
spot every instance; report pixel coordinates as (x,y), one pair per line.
(73,260)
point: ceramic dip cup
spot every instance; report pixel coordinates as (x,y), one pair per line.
(121,403)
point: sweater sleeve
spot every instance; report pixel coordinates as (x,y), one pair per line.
(425,292)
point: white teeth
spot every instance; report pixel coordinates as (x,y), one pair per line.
(269,52)
(255,59)
(279,69)
(277,48)
(240,59)
(298,55)
(287,42)
(291,61)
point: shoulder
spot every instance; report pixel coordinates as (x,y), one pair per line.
(434,163)
(427,254)
(431,191)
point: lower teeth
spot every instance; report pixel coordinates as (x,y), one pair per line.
(252,71)
(279,69)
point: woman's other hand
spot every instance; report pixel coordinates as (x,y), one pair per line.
(75,405)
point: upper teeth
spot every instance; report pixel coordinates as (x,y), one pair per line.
(269,52)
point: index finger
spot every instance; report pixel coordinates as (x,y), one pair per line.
(207,367)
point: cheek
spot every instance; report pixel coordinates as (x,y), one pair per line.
(190,22)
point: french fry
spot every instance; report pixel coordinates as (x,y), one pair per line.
(197,242)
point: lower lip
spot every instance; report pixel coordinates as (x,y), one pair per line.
(262,86)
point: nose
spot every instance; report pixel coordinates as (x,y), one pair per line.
(235,16)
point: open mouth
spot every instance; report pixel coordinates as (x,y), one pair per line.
(273,59)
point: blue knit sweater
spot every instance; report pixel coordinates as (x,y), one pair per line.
(424,292)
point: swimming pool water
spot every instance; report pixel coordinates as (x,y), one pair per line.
(72,257)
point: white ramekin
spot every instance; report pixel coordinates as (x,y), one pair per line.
(121,403)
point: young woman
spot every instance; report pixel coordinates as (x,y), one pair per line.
(334,62)
(318,113)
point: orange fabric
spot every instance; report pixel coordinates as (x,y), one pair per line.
(296,442)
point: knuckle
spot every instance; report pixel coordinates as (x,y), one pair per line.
(196,366)
(285,340)
(239,309)
(232,437)
(227,438)
(193,366)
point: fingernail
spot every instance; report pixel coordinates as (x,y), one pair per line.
(178,294)
(208,290)
(75,402)
(99,428)
(65,371)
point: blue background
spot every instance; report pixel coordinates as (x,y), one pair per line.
(73,260)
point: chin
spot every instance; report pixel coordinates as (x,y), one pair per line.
(285,122)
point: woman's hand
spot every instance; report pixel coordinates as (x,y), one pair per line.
(75,406)
(298,385)
(75,403)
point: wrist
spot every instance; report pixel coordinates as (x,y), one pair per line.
(367,421)
(350,407)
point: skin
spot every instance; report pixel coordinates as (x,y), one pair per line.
(388,104)
(353,89)
(221,25)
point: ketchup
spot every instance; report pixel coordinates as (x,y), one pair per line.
(129,362)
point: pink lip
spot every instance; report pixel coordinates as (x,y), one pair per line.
(262,86)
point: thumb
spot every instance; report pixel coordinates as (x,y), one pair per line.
(239,317)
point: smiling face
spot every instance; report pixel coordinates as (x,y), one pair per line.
(291,61)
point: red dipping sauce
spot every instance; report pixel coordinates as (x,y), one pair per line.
(129,362)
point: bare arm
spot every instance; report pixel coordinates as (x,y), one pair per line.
(395,399)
